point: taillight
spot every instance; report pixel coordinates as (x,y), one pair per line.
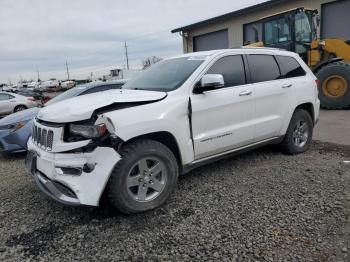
(318,83)
(31,99)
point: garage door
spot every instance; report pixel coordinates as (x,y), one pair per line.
(211,41)
(336,20)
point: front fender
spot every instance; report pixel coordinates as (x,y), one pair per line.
(169,115)
(180,131)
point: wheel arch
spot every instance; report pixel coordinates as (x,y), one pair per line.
(164,137)
(308,107)
(305,105)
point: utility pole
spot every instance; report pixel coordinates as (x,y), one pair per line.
(126,55)
(67,69)
(38,75)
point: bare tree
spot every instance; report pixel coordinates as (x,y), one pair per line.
(150,61)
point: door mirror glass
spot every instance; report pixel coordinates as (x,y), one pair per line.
(210,82)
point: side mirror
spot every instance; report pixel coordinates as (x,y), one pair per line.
(318,20)
(209,82)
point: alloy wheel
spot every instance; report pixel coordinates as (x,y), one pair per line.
(301,134)
(147,179)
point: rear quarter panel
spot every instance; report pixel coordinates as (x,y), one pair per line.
(304,91)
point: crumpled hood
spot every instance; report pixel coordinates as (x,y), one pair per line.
(82,107)
(24,115)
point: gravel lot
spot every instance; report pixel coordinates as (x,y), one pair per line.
(260,206)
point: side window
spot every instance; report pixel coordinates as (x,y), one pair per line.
(4,97)
(263,68)
(232,69)
(290,67)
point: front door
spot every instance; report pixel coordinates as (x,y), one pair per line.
(4,104)
(222,119)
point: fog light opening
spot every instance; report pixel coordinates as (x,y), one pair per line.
(72,171)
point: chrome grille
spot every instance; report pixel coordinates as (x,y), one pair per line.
(43,137)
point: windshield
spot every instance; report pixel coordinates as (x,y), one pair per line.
(68,94)
(166,75)
(277,31)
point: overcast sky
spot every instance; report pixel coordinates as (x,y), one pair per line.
(89,34)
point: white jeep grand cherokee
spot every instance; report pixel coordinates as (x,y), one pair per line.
(182,112)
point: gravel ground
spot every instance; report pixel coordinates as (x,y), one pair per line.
(261,206)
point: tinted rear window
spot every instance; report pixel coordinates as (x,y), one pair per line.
(263,68)
(290,67)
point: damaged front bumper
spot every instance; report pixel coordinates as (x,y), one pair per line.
(72,178)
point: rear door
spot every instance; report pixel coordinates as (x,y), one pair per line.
(272,95)
(222,119)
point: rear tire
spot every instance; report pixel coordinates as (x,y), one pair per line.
(144,178)
(19,108)
(334,92)
(299,134)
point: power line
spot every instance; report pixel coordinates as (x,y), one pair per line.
(148,34)
(112,46)
(90,55)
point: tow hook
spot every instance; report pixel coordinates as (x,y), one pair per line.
(88,168)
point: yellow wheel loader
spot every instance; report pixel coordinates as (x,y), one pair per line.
(297,30)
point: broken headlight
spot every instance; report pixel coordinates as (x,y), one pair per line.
(88,131)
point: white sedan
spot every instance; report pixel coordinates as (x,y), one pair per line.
(10,103)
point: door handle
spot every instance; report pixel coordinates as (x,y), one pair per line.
(287,86)
(245,93)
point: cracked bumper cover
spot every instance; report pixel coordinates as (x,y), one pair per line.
(83,189)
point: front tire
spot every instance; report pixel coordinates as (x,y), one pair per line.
(299,134)
(144,178)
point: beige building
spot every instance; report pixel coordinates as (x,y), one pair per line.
(234,29)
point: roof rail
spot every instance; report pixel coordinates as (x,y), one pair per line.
(261,48)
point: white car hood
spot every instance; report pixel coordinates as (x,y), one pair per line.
(82,107)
